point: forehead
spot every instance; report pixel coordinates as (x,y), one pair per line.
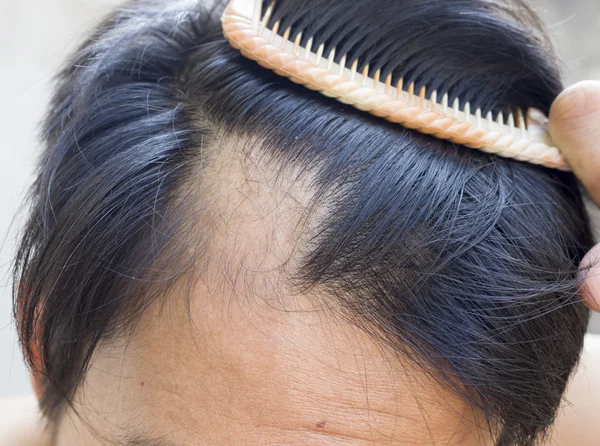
(237,372)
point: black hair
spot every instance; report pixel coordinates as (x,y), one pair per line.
(462,261)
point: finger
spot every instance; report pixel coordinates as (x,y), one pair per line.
(575,128)
(590,268)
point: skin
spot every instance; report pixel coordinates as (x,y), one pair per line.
(252,363)
(261,376)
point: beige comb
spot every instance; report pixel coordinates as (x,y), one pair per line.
(523,137)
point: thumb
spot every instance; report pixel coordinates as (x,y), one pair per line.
(574,125)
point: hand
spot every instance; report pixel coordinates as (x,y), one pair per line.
(575,128)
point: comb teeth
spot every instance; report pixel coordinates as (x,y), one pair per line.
(265,20)
(512,136)
(462,114)
(320,52)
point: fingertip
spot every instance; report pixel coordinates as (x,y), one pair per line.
(573,126)
(579,100)
(590,270)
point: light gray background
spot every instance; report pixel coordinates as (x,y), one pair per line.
(36,35)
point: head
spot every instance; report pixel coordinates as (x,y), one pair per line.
(218,256)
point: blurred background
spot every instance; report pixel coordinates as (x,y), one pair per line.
(37,35)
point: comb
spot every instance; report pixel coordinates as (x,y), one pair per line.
(521,135)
